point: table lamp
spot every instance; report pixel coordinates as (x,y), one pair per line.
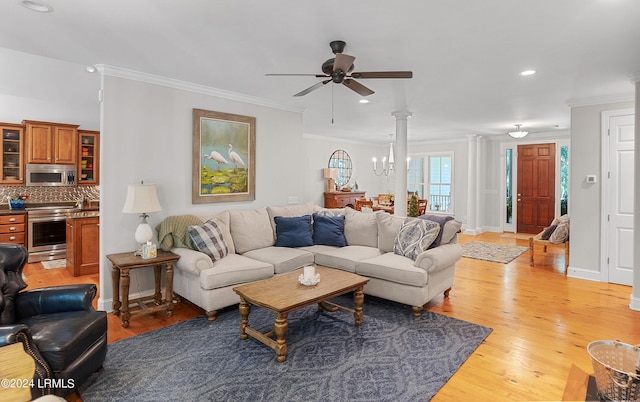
(329,174)
(142,199)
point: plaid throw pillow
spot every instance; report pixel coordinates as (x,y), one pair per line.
(207,238)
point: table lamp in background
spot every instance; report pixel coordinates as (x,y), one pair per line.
(142,199)
(329,174)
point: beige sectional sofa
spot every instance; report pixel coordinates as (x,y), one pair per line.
(250,237)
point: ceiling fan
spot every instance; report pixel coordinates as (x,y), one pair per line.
(340,70)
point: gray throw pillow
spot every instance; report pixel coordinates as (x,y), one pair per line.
(415,236)
(561,234)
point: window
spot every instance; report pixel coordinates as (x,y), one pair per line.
(431,177)
(509,182)
(564,180)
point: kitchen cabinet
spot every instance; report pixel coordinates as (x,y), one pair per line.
(342,199)
(83,245)
(11,160)
(13,228)
(89,157)
(51,142)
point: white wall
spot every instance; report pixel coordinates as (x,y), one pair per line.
(147,135)
(584,199)
(39,88)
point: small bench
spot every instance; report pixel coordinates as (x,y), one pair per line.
(537,241)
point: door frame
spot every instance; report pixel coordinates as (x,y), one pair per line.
(513,144)
(606,187)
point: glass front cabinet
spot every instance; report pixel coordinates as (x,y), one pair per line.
(88,168)
(12,152)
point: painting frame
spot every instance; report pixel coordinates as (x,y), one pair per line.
(219,176)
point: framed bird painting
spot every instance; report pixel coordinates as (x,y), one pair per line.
(224,157)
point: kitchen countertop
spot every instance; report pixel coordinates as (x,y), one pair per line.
(77,212)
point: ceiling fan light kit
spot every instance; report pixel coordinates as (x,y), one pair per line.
(339,70)
(518,134)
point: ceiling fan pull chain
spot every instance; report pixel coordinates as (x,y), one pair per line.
(332,104)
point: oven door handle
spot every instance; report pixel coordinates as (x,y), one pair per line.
(46,219)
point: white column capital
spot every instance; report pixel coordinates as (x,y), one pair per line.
(635,77)
(401,115)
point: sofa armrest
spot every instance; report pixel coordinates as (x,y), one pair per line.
(9,333)
(55,299)
(192,260)
(439,257)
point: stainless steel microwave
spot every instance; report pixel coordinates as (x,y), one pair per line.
(51,175)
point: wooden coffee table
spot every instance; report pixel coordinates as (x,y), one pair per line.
(283,294)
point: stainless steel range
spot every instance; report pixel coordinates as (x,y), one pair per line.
(47,232)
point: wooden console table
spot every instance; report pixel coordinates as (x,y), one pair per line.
(121,265)
(341,199)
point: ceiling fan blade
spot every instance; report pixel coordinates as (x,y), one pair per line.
(382,74)
(276,75)
(343,62)
(357,87)
(312,88)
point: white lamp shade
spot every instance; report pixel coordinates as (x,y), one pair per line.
(141,199)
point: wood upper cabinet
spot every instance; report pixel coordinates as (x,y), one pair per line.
(89,159)
(11,156)
(51,142)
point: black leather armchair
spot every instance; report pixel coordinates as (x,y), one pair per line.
(58,326)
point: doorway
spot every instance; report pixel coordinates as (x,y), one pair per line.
(510,172)
(617,195)
(535,196)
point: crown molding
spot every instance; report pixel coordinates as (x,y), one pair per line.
(601,100)
(119,72)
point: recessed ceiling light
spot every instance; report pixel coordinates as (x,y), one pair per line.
(364,101)
(528,72)
(37,6)
(91,69)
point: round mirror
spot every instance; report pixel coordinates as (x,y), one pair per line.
(342,161)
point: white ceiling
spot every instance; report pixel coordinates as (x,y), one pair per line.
(466,55)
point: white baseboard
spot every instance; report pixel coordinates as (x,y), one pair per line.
(634,304)
(580,273)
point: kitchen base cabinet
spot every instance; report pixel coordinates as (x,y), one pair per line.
(83,245)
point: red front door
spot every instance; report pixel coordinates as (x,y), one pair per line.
(536,187)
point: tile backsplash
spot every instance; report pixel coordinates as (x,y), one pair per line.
(46,194)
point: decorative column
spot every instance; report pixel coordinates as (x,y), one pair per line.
(400,165)
(472,186)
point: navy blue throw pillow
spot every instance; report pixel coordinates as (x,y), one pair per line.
(293,232)
(329,230)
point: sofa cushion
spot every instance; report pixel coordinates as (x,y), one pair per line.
(329,230)
(415,236)
(388,228)
(234,269)
(360,229)
(293,231)
(283,259)
(344,258)
(393,267)
(251,229)
(225,221)
(288,211)
(207,238)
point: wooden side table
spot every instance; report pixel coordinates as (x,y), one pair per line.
(121,265)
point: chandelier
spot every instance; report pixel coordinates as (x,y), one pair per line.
(387,164)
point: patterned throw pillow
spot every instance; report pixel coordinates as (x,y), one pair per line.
(207,238)
(415,236)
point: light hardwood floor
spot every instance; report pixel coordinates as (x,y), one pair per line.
(542,322)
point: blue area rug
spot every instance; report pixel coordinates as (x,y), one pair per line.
(391,357)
